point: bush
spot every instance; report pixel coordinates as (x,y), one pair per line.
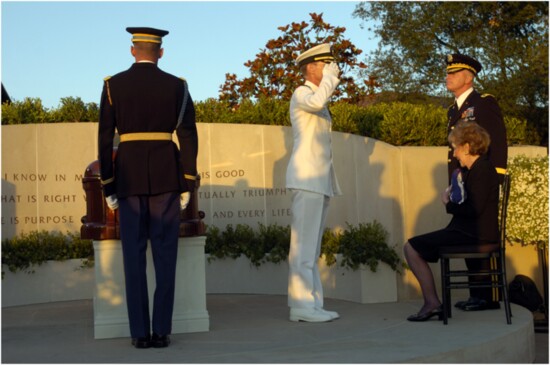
(330,246)
(264,111)
(396,123)
(399,124)
(414,125)
(527,219)
(27,111)
(75,110)
(213,111)
(34,248)
(229,243)
(242,240)
(362,245)
(518,132)
(275,242)
(345,118)
(367,245)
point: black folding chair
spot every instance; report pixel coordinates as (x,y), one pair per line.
(493,251)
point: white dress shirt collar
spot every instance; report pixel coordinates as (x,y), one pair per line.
(463,96)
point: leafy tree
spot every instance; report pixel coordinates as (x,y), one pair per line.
(274,73)
(75,110)
(510,39)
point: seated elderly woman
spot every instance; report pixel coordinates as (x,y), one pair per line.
(472,199)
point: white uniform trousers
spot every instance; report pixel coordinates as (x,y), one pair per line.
(309,212)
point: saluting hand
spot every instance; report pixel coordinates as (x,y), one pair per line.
(331,69)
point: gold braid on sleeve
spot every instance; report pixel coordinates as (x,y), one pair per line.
(108,90)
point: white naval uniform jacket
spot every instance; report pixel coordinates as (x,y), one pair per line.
(310,167)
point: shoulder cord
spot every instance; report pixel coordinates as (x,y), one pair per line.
(183,106)
(108,90)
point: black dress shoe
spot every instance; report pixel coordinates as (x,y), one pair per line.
(425,316)
(461,304)
(160,341)
(141,342)
(481,305)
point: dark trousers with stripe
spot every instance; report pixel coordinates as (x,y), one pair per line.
(154,218)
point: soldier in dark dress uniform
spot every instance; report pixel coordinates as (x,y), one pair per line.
(150,179)
(483,109)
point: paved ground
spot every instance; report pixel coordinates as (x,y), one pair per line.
(256,329)
(541,346)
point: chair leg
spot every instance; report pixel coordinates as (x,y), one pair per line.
(507,308)
(445,292)
(505,297)
(448,293)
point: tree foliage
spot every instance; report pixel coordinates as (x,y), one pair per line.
(274,73)
(31,110)
(510,39)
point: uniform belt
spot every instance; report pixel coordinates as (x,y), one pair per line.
(146,136)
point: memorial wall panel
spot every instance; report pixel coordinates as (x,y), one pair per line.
(242,174)
(242,168)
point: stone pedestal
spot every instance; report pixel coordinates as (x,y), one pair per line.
(110,312)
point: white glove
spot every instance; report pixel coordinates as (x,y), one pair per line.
(331,69)
(184,200)
(112,202)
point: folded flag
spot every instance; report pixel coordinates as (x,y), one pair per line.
(457,194)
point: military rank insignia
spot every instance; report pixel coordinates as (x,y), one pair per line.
(468,115)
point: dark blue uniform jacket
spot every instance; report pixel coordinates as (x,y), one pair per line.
(485,111)
(146,99)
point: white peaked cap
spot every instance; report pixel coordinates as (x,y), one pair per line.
(321,52)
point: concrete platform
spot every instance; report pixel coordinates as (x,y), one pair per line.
(256,329)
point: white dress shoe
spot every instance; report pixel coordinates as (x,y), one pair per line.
(333,315)
(308,315)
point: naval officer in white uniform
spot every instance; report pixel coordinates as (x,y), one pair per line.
(312,180)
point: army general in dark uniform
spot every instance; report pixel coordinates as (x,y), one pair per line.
(483,109)
(472,106)
(150,179)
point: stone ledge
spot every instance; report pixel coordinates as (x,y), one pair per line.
(65,280)
(226,276)
(53,281)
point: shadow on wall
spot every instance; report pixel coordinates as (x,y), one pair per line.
(431,216)
(9,211)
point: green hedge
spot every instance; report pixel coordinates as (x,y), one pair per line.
(365,244)
(22,252)
(31,111)
(396,123)
(264,111)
